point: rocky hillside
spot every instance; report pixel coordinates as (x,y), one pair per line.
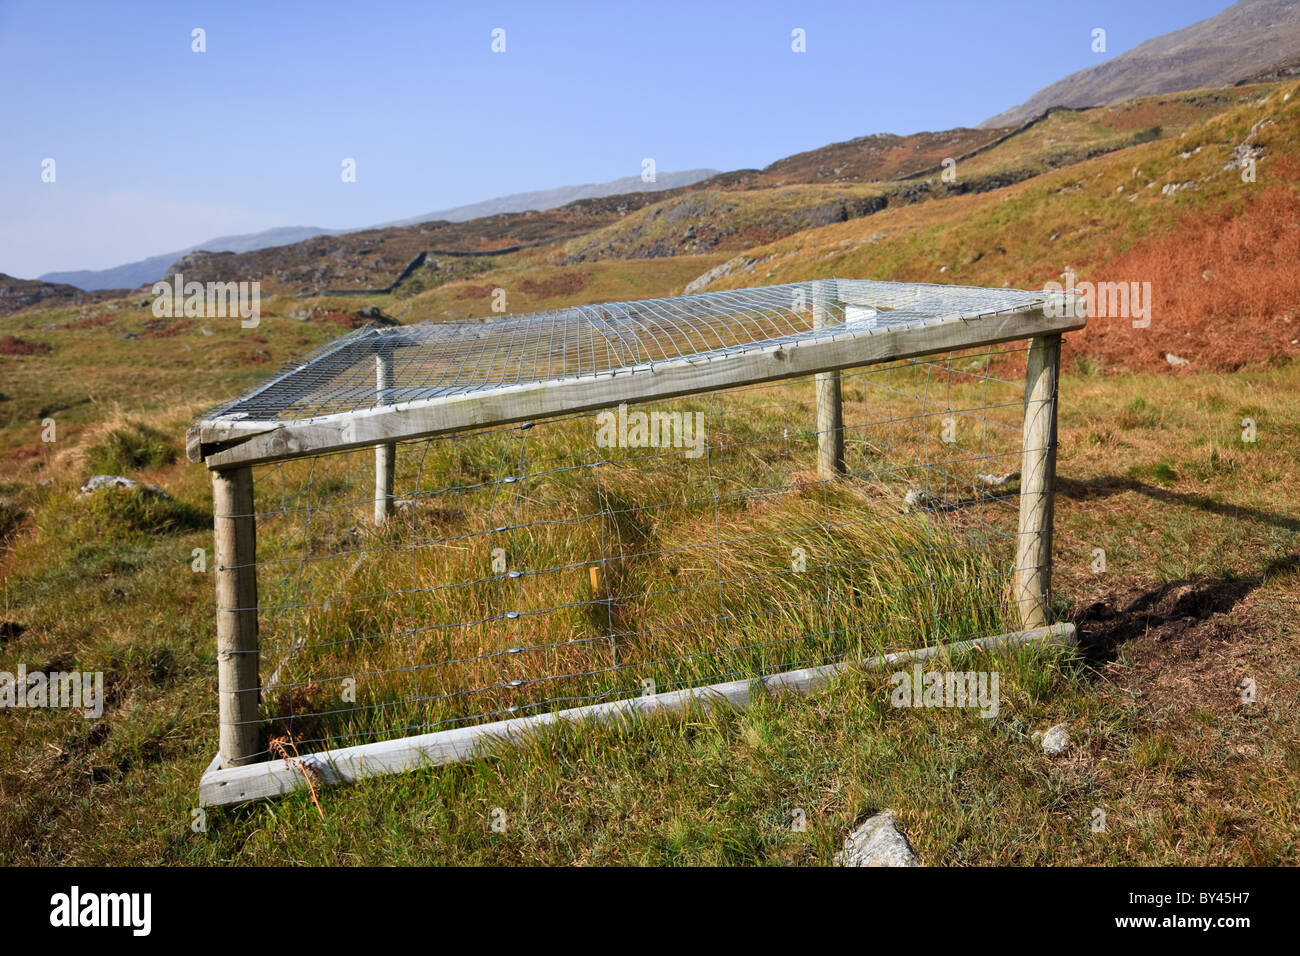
(1248,39)
(876,158)
(375,258)
(19,294)
(1151,190)
(706,220)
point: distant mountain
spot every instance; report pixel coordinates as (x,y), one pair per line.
(19,294)
(1247,39)
(135,274)
(560,196)
(132,275)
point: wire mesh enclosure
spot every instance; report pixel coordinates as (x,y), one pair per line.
(430,534)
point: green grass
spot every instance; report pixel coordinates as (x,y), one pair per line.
(697,582)
(87,577)
(132,448)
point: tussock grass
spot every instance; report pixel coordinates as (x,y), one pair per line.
(131,448)
(621,566)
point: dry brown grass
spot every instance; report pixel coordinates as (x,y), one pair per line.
(1225,280)
(12,345)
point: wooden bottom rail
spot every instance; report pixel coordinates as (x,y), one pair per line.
(276,777)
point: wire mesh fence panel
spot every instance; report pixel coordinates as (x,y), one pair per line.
(452,530)
(640,549)
(445,359)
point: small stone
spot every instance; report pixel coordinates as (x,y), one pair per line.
(918,499)
(877,842)
(1176,360)
(102,482)
(1056,740)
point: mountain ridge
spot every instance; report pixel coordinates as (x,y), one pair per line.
(1244,40)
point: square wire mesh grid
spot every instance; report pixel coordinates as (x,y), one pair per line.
(437,359)
(532,567)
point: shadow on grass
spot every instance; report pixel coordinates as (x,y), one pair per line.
(1114,484)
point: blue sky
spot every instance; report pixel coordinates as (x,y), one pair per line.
(157,147)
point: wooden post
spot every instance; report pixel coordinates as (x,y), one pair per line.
(830,409)
(235,556)
(1033,574)
(385,454)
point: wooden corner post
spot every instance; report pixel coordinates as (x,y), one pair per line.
(235,556)
(1033,573)
(385,454)
(830,408)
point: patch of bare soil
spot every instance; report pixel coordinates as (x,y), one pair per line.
(1180,648)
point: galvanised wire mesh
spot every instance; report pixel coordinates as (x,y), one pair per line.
(433,360)
(543,565)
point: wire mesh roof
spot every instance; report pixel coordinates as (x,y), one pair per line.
(385,366)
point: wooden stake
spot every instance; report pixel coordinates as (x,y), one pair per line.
(385,454)
(1033,574)
(830,408)
(235,555)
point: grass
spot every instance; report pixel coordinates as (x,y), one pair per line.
(694,578)
(132,448)
(719,788)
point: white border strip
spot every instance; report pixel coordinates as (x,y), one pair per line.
(274,778)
